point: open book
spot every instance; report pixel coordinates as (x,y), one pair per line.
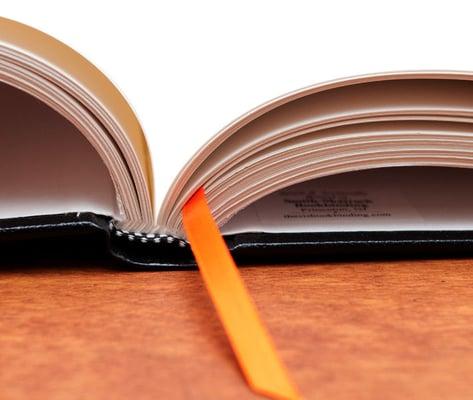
(377,165)
(368,165)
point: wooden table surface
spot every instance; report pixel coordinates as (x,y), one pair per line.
(390,330)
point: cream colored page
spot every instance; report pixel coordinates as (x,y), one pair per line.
(189,68)
(384,199)
(48,167)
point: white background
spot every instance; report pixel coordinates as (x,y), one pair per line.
(189,68)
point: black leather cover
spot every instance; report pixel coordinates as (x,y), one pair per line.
(72,236)
(81,235)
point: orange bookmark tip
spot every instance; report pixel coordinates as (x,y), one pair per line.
(248,337)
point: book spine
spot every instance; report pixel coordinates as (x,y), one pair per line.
(152,238)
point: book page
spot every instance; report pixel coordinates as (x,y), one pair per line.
(190,69)
(383,199)
(48,166)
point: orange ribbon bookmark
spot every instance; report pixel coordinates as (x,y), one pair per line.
(249,339)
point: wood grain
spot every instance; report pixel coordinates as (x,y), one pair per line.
(391,330)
